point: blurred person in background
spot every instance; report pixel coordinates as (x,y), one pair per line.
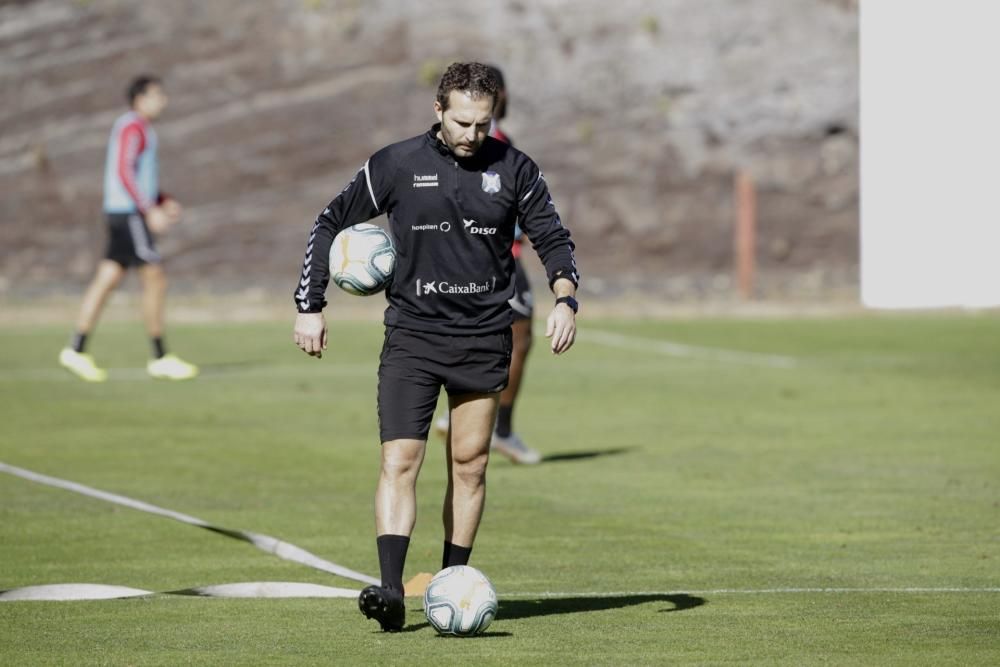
(504,439)
(135,210)
(452,197)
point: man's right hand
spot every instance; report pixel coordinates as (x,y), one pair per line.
(310,333)
(159,220)
(173,209)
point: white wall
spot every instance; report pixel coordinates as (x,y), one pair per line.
(930,153)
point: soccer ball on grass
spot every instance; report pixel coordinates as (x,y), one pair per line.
(362,259)
(460,601)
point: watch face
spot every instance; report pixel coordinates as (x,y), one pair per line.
(569,301)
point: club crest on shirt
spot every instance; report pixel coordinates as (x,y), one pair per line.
(491,182)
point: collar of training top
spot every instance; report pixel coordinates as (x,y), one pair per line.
(471,162)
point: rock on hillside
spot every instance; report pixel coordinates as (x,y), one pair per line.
(640,112)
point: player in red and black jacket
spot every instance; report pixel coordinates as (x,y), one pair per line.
(505,440)
(136,211)
(452,197)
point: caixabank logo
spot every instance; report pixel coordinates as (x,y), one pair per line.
(428,287)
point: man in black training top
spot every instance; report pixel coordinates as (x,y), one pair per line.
(452,197)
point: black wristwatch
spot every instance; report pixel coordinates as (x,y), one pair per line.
(569,301)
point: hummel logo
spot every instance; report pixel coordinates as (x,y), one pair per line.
(425,180)
(468,223)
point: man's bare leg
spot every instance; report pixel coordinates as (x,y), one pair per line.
(468,450)
(396,492)
(106,279)
(154,296)
(395,514)
(505,440)
(520,346)
(74,358)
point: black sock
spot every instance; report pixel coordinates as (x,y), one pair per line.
(391,558)
(79,342)
(503,420)
(159,349)
(455,555)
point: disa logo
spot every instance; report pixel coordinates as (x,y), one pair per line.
(473,228)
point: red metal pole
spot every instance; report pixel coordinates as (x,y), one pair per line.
(745,233)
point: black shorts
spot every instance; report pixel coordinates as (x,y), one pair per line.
(415,365)
(522,303)
(129,240)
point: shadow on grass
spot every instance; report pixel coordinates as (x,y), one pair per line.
(511,609)
(575,605)
(576,456)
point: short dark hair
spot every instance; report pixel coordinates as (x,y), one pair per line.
(498,75)
(473,78)
(500,109)
(139,85)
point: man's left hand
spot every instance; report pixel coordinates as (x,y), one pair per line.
(561,328)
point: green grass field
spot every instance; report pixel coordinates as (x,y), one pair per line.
(693,508)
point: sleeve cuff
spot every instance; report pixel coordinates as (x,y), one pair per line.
(566,274)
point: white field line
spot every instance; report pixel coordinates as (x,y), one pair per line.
(251,589)
(278,589)
(266,543)
(332,367)
(322,369)
(683,351)
(755,591)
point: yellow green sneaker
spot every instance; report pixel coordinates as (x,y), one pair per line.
(171,367)
(81,365)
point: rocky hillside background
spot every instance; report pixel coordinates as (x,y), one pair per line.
(640,113)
